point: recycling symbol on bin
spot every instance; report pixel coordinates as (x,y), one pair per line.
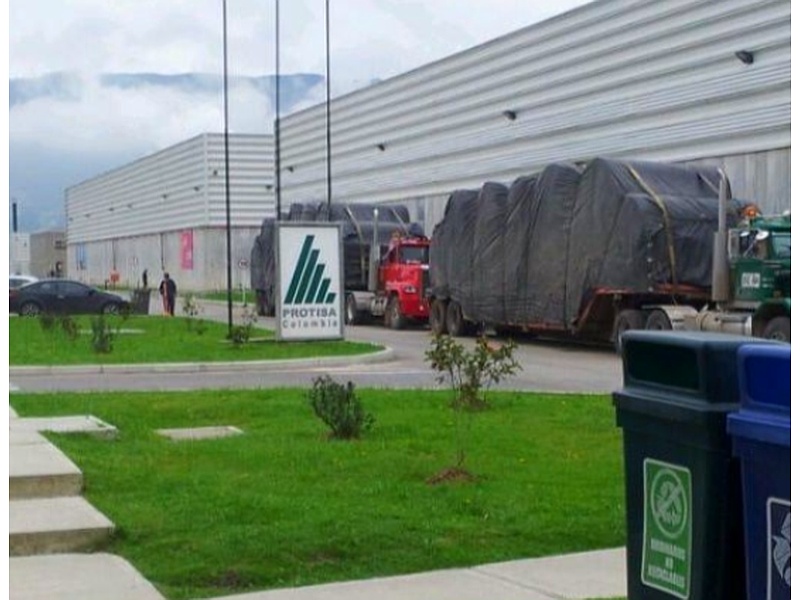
(782,550)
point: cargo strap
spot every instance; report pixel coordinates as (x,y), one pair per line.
(399,220)
(667,226)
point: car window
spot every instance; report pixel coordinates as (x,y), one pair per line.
(45,287)
(70,288)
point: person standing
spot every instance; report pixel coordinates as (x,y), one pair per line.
(168,290)
(144,279)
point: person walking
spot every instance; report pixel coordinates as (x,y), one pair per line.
(168,290)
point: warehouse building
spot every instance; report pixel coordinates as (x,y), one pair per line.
(167,212)
(681,81)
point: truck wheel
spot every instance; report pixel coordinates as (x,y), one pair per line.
(394,318)
(659,321)
(455,320)
(626,320)
(780,329)
(437,317)
(352,316)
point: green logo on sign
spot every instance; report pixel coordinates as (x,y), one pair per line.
(666,544)
(308,285)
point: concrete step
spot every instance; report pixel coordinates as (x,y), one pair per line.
(52,525)
(37,469)
(77,576)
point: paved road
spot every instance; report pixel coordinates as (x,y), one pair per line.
(546,366)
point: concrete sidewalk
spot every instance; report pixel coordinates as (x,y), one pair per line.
(52,531)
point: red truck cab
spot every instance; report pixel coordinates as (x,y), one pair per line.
(403,278)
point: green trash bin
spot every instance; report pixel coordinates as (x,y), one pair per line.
(683,499)
(140,301)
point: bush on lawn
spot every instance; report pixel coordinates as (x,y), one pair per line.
(339,408)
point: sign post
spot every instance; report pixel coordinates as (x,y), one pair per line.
(310,275)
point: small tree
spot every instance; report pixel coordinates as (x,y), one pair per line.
(102,336)
(469,375)
(241,334)
(192,311)
(339,408)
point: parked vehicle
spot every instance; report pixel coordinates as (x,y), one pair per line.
(385,259)
(15,281)
(62,296)
(752,279)
(589,253)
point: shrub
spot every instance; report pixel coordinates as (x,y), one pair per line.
(102,336)
(47,321)
(192,310)
(70,327)
(241,334)
(339,408)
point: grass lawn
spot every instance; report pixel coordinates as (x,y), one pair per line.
(157,339)
(283,506)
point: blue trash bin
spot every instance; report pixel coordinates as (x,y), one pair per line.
(761,438)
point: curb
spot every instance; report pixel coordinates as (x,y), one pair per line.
(386,355)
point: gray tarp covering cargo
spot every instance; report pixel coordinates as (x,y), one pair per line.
(566,234)
(357,222)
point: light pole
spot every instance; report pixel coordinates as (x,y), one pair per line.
(328,99)
(277,113)
(227,164)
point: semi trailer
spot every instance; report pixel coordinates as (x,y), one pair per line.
(590,251)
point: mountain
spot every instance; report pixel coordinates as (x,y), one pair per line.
(67,127)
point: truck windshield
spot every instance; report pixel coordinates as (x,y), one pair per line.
(414,254)
(782,245)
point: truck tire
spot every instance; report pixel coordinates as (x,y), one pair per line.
(626,320)
(394,317)
(437,317)
(658,321)
(455,320)
(352,316)
(780,329)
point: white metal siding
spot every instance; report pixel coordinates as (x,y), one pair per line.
(647,79)
(180,187)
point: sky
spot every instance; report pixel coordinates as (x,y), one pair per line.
(369,40)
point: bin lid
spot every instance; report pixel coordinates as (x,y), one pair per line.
(693,365)
(765,377)
(760,427)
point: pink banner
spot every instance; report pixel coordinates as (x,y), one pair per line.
(187,250)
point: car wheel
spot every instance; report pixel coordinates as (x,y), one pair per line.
(394,318)
(626,320)
(779,329)
(658,321)
(112,308)
(455,320)
(30,309)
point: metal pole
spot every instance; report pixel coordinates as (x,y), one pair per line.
(328,97)
(277,113)
(227,163)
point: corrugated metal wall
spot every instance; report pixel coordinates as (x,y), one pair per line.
(645,79)
(180,187)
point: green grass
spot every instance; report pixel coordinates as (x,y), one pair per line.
(236,296)
(283,506)
(156,339)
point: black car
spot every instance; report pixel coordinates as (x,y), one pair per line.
(62,296)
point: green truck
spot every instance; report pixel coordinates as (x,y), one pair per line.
(751,288)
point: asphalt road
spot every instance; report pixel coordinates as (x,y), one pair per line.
(546,366)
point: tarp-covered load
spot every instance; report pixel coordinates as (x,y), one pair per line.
(535,254)
(357,222)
